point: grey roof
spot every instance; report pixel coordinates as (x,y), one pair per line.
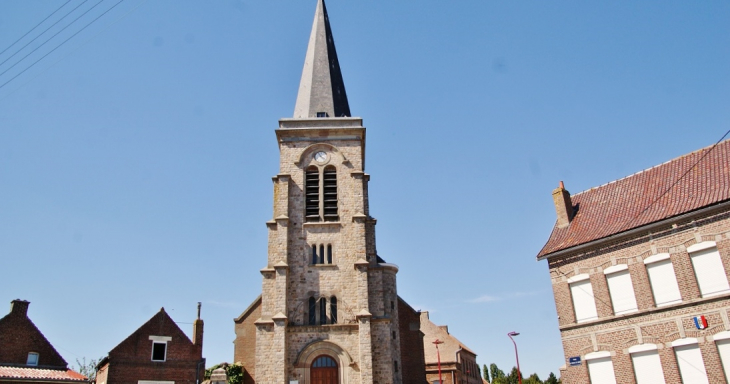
(321,88)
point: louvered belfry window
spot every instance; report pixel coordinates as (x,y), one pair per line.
(329,186)
(320,194)
(311,191)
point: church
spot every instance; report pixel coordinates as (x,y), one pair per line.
(329,311)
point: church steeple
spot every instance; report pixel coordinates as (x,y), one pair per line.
(321,90)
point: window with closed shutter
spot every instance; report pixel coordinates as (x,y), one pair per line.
(723,349)
(329,186)
(691,366)
(600,370)
(709,271)
(583,302)
(621,291)
(647,367)
(311,192)
(663,282)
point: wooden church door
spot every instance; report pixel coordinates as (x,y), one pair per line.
(324,371)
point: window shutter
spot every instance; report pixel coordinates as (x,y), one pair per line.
(648,367)
(583,302)
(663,283)
(723,348)
(710,272)
(601,371)
(311,191)
(622,292)
(691,365)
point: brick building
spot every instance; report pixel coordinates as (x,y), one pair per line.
(329,311)
(158,352)
(26,355)
(458,362)
(639,270)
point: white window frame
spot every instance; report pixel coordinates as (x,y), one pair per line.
(602,376)
(689,361)
(621,289)
(159,340)
(669,291)
(647,370)
(581,293)
(37,359)
(709,269)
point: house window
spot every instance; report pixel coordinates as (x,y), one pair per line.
(318,311)
(621,289)
(690,362)
(32,358)
(322,311)
(647,365)
(600,368)
(159,351)
(709,271)
(583,302)
(323,114)
(662,279)
(722,340)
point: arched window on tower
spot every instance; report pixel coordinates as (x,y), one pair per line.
(311,194)
(315,258)
(322,311)
(329,186)
(329,253)
(333,310)
(312,311)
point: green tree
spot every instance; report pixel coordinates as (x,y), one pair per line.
(234,372)
(495,373)
(87,369)
(552,379)
(513,376)
(486,372)
(533,379)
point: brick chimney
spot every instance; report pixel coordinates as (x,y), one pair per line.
(19,307)
(563,205)
(198,331)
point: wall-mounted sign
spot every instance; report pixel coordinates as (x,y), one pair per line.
(574,360)
(700,322)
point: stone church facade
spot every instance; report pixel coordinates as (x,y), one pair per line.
(329,308)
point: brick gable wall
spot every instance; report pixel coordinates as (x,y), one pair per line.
(19,336)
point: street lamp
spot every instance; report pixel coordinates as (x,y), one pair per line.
(517,357)
(438,356)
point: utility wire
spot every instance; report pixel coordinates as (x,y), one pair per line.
(37,25)
(41,34)
(71,52)
(62,43)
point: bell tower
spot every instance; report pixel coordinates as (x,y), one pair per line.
(329,302)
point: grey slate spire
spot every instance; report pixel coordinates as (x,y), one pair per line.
(321,90)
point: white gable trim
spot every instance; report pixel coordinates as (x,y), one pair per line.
(163,339)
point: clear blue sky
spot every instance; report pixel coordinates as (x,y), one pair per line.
(135,160)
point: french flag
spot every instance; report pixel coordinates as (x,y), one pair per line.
(700,322)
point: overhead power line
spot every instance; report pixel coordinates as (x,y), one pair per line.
(37,25)
(62,43)
(41,34)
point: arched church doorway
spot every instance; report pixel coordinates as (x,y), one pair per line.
(324,371)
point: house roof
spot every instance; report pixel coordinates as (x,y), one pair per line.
(451,345)
(161,324)
(682,185)
(24,373)
(19,335)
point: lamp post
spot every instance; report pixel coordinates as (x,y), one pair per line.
(438,356)
(517,357)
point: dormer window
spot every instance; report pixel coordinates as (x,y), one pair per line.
(32,359)
(322,114)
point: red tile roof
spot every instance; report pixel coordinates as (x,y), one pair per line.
(25,373)
(695,180)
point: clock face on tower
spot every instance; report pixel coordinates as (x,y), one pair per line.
(320,157)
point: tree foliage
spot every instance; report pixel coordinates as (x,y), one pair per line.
(498,377)
(234,372)
(87,369)
(486,372)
